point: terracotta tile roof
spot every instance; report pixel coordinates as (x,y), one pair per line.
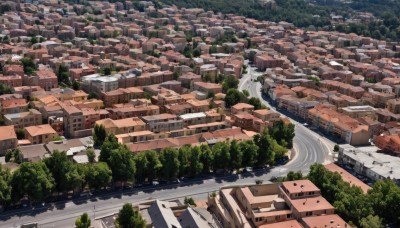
(7,132)
(40,130)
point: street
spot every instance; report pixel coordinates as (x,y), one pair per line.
(309,146)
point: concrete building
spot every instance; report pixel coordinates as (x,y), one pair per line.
(99,84)
(359,111)
(8,139)
(24,119)
(366,161)
(163,122)
(40,134)
(269,204)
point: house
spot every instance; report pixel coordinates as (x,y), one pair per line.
(269,205)
(122,126)
(242,107)
(8,139)
(24,119)
(40,134)
(163,122)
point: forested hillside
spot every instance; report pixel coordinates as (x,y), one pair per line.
(304,13)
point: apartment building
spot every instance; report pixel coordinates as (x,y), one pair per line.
(74,122)
(368,162)
(242,107)
(393,105)
(122,126)
(8,139)
(11,106)
(163,122)
(133,111)
(99,84)
(269,205)
(359,111)
(40,134)
(24,119)
(121,95)
(347,128)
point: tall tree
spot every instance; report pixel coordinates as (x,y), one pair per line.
(109,144)
(265,154)
(371,221)
(64,171)
(183,157)
(32,180)
(255,102)
(141,164)
(196,166)
(154,165)
(232,97)
(250,151)
(222,156)
(121,164)
(83,221)
(129,218)
(236,155)
(5,188)
(206,158)
(230,82)
(99,134)
(91,155)
(170,164)
(98,175)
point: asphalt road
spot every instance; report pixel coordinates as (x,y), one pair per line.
(309,146)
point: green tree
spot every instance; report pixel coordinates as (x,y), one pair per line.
(371,221)
(195,166)
(142,166)
(246,93)
(255,102)
(64,172)
(99,134)
(121,164)
(170,164)
(250,153)
(213,49)
(5,187)
(183,157)
(34,40)
(336,148)
(32,180)
(109,144)
(98,175)
(196,53)
(222,156)
(91,155)
(230,82)
(83,221)
(283,133)
(265,154)
(5,89)
(206,158)
(76,85)
(291,176)
(384,197)
(129,218)
(232,97)
(189,201)
(14,155)
(29,65)
(236,155)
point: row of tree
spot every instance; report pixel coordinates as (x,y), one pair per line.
(375,209)
(59,174)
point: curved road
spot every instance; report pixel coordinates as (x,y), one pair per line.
(309,146)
